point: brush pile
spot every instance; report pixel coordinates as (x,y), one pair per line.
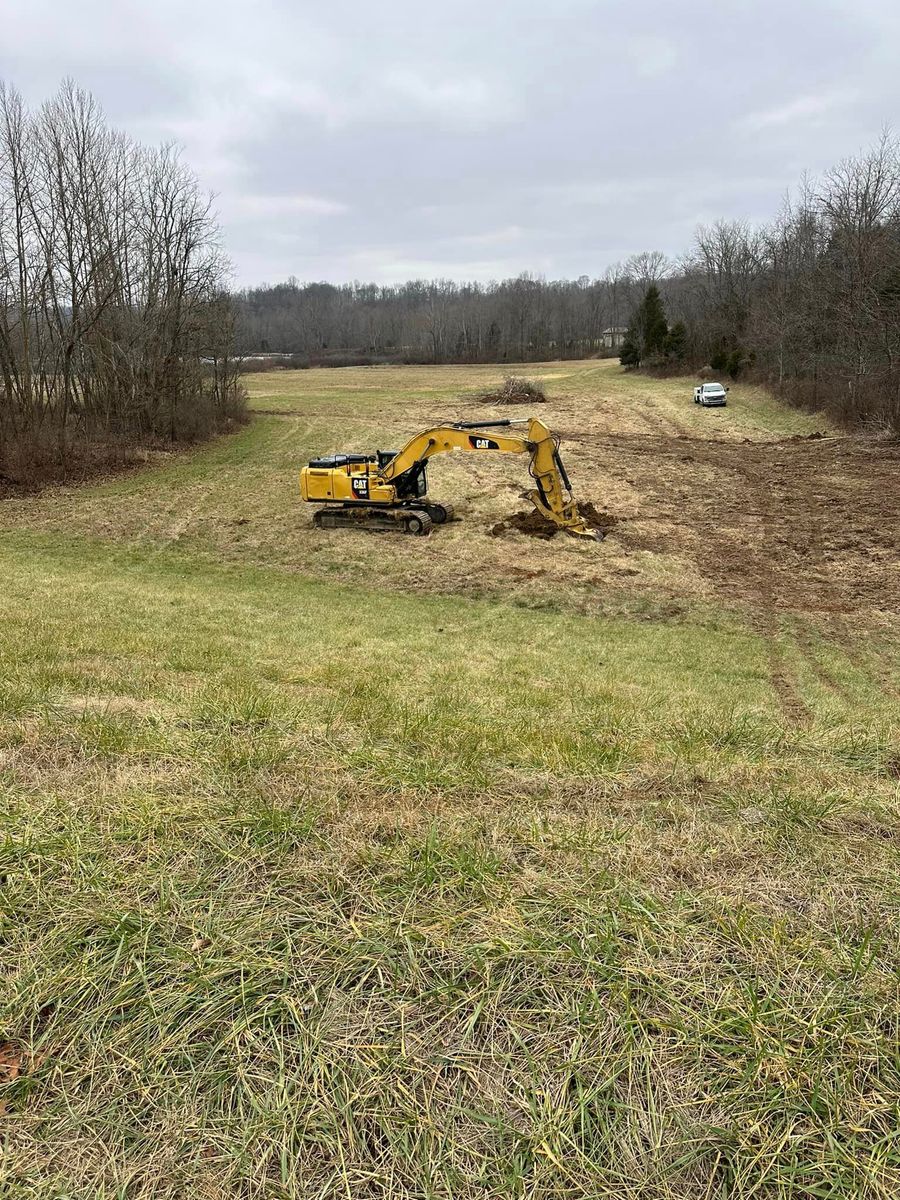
(516,391)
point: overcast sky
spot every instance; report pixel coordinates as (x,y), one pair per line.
(473,139)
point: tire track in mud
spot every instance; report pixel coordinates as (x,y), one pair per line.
(675,507)
(829,517)
(833,601)
(802,637)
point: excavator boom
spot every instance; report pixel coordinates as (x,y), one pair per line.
(552,495)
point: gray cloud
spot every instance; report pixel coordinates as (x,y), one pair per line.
(474,140)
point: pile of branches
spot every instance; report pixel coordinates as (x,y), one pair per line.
(516,390)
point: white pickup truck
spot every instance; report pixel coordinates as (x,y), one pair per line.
(710,394)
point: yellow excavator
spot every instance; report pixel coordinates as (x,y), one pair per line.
(389,489)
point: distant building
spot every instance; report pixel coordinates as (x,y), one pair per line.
(612,338)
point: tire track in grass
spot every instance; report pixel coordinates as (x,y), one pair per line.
(764,615)
(807,646)
(785,685)
(835,622)
(866,660)
(754,496)
(792,549)
(228,478)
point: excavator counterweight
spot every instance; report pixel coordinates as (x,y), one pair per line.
(389,489)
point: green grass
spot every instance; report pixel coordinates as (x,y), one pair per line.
(317,888)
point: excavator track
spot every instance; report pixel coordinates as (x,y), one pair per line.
(415,521)
(439,513)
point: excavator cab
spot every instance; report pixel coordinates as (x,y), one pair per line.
(412,484)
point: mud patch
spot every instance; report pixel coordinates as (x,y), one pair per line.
(807,524)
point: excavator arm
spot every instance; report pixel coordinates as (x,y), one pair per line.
(551,496)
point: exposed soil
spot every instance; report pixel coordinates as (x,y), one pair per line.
(807,523)
(597,518)
(531,523)
(698,508)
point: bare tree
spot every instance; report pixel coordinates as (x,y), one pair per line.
(110,282)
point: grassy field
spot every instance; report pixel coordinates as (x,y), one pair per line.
(345,865)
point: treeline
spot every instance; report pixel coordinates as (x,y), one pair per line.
(115,325)
(518,320)
(809,304)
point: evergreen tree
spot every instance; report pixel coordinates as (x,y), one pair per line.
(648,330)
(676,342)
(629,352)
(655,327)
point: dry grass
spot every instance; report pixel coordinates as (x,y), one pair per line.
(316,887)
(238,501)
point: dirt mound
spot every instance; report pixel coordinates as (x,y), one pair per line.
(537,526)
(516,391)
(531,523)
(597,518)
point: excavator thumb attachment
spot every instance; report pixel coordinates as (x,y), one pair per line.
(553,495)
(568,519)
